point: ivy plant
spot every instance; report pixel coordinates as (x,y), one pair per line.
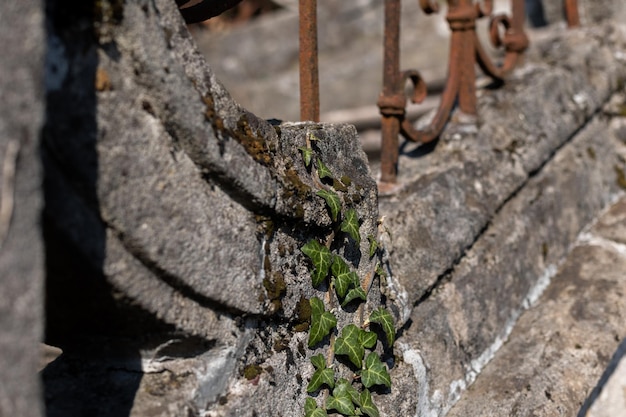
(322,322)
(353,342)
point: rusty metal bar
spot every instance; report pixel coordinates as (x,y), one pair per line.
(309,78)
(571,13)
(391,101)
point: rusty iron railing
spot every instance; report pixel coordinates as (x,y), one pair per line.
(465,52)
(460,91)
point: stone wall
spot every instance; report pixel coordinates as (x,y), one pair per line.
(174,222)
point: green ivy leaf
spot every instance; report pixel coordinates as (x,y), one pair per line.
(318,361)
(317,306)
(373,245)
(307,154)
(309,406)
(367,339)
(350,225)
(318,412)
(312,410)
(372,360)
(313,137)
(321,322)
(367,404)
(349,344)
(321,377)
(321,257)
(375,372)
(354,293)
(339,267)
(343,388)
(323,171)
(333,202)
(385,319)
(342,404)
(344,278)
(322,374)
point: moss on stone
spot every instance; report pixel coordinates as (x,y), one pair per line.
(303,313)
(275,288)
(591,152)
(252,371)
(295,184)
(621,177)
(255,145)
(339,186)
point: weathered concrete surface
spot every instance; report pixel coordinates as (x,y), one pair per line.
(448,196)
(21,251)
(560,348)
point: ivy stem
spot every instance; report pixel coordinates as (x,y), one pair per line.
(366,284)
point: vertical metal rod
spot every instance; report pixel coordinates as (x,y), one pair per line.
(571,13)
(462,16)
(309,78)
(391,76)
(518,15)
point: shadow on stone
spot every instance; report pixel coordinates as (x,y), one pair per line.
(619,354)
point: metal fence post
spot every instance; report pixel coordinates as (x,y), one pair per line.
(309,78)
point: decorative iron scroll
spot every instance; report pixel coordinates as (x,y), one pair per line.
(465,52)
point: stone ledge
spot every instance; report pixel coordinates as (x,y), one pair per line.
(450,194)
(559,349)
(455,332)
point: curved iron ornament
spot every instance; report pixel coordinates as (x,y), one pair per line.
(465,52)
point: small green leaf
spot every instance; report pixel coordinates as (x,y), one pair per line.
(375,372)
(350,225)
(317,306)
(344,278)
(343,388)
(372,360)
(320,327)
(385,319)
(353,294)
(373,245)
(367,339)
(318,361)
(349,344)
(307,154)
(320,377)
(367,404)
(321,257)
(313,137)
(309,406)
(339,267)
(322,170)
(321,322)
(342,404)
(333,202)
(318,412)
(312,410)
